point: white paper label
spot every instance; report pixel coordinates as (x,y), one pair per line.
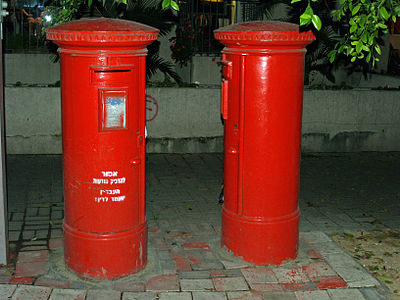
(114,109)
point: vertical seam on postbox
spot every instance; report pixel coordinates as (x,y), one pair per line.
(242,86)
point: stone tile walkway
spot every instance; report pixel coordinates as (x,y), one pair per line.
(338,192)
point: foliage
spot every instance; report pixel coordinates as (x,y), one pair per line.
(181,47)
(366,21)
(148,12)
(317,52)
(65,10)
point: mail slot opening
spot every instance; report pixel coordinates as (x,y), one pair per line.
(112,71)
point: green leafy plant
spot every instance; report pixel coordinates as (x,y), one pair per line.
(143,11)
(65,10)
(366,21)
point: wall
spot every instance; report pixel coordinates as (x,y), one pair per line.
(39,69)
(188,120)
(30,69)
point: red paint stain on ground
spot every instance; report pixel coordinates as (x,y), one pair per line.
(182,235)
(22,280)
(195,259)
(218,273)
(153,229)
(335,282)
(198,245)
(182,263)
(312,253)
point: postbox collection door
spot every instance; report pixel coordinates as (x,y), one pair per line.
(230,110)
(119,123)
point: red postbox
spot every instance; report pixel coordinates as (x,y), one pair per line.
(261,103)
(103,119)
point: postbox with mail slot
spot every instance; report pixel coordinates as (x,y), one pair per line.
(261,104)
(103,124)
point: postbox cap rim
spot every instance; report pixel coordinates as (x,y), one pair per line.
(260,32)
(102,30)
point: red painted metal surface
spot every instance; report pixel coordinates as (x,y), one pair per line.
(262,90)
(103,118)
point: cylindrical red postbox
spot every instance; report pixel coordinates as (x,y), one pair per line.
(103,119)
(261,103)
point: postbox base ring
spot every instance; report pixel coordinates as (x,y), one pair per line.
(261,241)
(105,255)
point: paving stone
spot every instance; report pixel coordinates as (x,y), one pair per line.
(5,275)
(356,275)
(15,225)
(56,243)
(139,296)
(56,233)
(30,269)
(41,234)
(196,285)
(41,223)
(341,294)
(13,236)
(372,293)
(28,235)
(314,254)
(164,255)
(234,273)
(176,296)
(312,295)
(234,264)
(207,265)
(182,263)
(315,237)
(52,282)
(259,275)
(340,260)
(318,269)
(33,256)
(329,247)
(6,290)
(67,294)
(295,275)
(34,248)
(35,219)
(168,267)
(28,292)
(253,295)
(209,296)
(18,216)
(130,286)
(367,282)
(57,214)
(78,285)
(23,280)
(44,211)
(333,282)
(279,296)
(222,273)
(163,283)
(223,284)
(103,294)
(195,275)
(302,286)
(31,211)
(263,287)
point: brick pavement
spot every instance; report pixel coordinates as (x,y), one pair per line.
(338,192)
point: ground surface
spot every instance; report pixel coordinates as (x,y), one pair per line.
(338,193)
(377,251)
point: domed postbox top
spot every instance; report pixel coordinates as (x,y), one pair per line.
(263,33)
(101,32)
